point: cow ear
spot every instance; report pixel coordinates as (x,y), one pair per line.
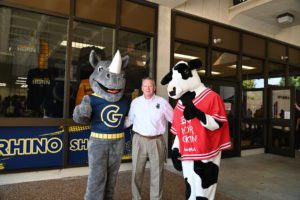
(167,78)
(94,59)
(195,64)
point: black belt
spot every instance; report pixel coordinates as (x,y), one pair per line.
(148,137)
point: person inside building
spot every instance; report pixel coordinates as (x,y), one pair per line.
(85,70)
(148,114)
(297,138)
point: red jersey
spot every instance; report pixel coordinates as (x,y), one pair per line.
(195,141)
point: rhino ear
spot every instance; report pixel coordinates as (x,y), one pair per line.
(125,61)
(94,59)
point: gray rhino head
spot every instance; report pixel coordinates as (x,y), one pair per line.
(108,80)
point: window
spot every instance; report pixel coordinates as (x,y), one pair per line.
(294,56)
(139,48)
(252,127)
(60,6)
(276,74)
(281,104)
(224,65)
(253,45)
(187,52)
(100,10)
(253,104)
(294,78)
(137,16)
(225,38)
(87,37)
(192,30)
(32,62)
(252,73)
(277,51)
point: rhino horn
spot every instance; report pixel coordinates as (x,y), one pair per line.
(116,64)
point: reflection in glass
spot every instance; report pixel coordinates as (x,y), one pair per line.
(187,52)
(294,78)
(253,104)
(251,134)
(139,48)
(224,65)
(294,81)
(276,74)
(32,63)
(252,72)
(228,95)
(280,137)
(87,37)
(281,104)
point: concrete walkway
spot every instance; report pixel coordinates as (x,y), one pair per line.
(260,177)
(257,177)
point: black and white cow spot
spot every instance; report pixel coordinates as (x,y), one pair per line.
(184,70)
(208,173)
(187,189)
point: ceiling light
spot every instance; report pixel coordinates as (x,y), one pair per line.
(22,78)
(202,71)
(183,56)
(2,84)
(215,73)
(80,45)
(245,67)
(285,18)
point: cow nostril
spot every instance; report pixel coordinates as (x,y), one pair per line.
(173,92)
(108,76)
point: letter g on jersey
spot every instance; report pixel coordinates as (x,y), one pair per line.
(110,116)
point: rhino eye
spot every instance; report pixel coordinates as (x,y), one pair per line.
(100,68)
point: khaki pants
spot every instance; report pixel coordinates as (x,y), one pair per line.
(155,150)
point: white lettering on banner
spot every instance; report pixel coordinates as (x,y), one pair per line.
(30,146)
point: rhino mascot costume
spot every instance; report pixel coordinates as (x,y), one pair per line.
(105,110)
(201,129)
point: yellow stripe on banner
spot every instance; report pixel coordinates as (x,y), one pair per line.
(78,128)
(107,136)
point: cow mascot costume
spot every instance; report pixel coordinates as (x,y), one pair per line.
(201,129)
(105,110)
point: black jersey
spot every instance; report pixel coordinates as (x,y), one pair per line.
(39,83)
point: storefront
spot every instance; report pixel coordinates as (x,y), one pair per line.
(44,58)
(257,77)
(44,50)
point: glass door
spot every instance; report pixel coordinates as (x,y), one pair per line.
(228,91)
(281,130)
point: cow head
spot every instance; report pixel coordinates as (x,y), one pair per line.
(183,78)
(108,80)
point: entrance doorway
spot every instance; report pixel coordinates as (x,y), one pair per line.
(281,126)
(228,91)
